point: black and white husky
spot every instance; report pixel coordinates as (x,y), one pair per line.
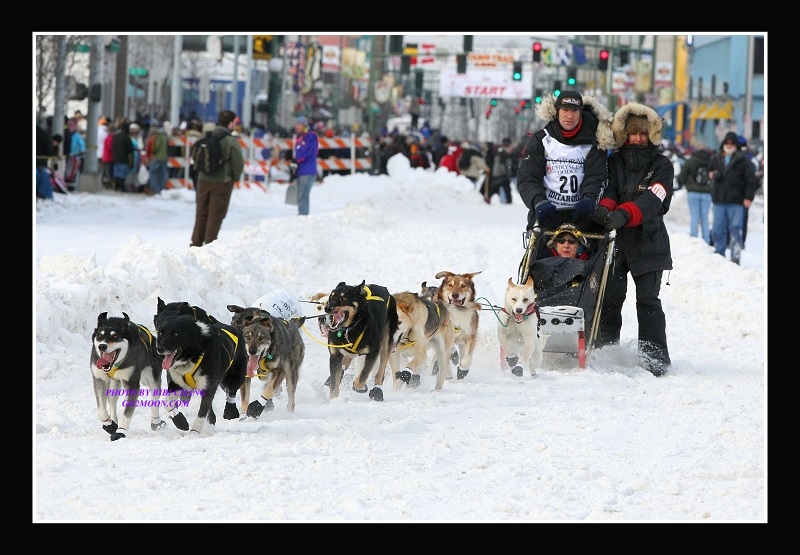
(122,361)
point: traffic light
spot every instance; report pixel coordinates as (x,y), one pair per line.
(623,57)
(395,44)
(461,63)
(539,93)
(517,74)
(571,73)
(488,112)
(557,87)
(96,92)
(405,65)
(602,62)
(419,79)
(537,51)
(467,43)
(493,102)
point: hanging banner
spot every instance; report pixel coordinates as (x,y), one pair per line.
(663,74)
(484,83)
(331,59)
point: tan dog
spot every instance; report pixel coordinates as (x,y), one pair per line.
(519,330)
(422,323)
(458,291)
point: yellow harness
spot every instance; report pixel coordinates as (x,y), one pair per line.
(353,347)
(189,376)
(148,344)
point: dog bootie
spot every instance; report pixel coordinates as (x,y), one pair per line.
(255,408)
(404,376)
(119,434)
(111,427)
(180,421)
(376,394)
(435,368)
(231,412)
(461,373)
(517,370)
(414,380)
(454,358)
(157,425)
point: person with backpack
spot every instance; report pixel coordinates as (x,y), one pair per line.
(156,156)
(694,176)
(500,179)
(218,167)
(472,165)
(638,195)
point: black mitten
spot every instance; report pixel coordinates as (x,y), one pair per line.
(599,214)
(617,219)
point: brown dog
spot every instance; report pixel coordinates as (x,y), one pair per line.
(458,291)
(422,323)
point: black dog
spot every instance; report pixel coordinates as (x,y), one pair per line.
(233,374)
(180,308)
(363,321)
(123,358)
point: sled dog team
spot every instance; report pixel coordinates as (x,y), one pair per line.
(199,354)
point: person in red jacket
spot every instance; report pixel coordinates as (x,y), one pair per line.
(108,156)
(450,160)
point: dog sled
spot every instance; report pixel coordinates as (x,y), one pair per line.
(569,291)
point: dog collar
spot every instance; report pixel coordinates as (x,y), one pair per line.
(532,309)
(262,364)
(113,370)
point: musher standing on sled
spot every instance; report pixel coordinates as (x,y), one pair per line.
(563,172)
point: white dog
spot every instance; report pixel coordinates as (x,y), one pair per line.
(521,338)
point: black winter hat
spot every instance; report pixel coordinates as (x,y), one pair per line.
(732,137)
(569,99)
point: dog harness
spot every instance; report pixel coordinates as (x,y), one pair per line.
(149,344)
(189,376)
(532,309)
(353,347)
(405,342)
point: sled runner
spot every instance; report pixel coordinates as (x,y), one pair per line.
(569,291)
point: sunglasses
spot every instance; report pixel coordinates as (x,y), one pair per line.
(562,240)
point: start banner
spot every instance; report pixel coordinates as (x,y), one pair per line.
(484,83)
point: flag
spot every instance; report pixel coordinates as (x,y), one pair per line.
(578,54)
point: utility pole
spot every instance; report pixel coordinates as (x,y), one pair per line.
(121,78)
(90,179)
(177,85)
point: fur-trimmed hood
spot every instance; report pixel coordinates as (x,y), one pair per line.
(605,137)
(654,121)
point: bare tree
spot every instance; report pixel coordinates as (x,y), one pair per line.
(46,62)
(154,53)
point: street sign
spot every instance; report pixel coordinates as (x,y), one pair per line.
(138,72)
